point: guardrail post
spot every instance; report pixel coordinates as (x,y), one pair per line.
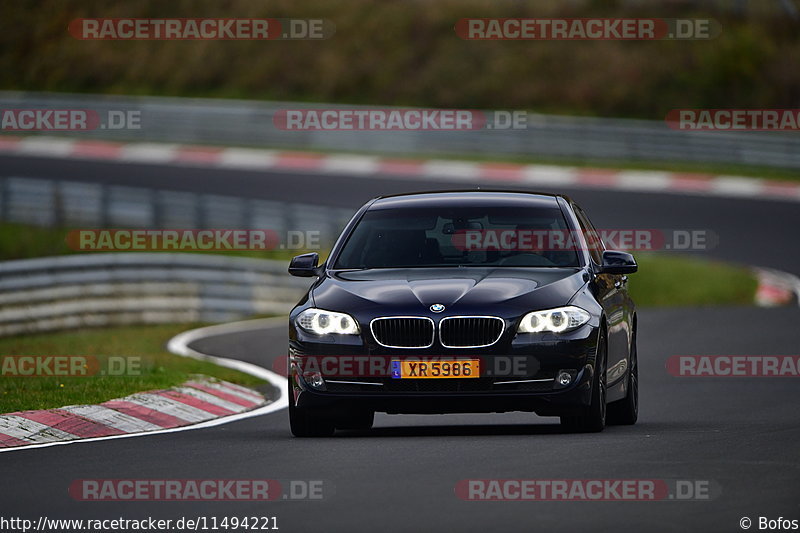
(156,200)
(331,215)
(58,205)
(4,200)
(288,218)
(248,214)
(104,206)
(201,217)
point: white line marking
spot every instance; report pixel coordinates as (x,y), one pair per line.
(179,346)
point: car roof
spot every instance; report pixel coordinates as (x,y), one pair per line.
(468,198)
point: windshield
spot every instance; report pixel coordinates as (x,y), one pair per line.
(464,236)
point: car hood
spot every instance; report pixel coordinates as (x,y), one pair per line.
(460,290)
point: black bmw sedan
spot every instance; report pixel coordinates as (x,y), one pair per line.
(464,302)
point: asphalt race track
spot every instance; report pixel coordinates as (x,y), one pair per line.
(741,436)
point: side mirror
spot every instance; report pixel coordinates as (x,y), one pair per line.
(304,266)
(615,262)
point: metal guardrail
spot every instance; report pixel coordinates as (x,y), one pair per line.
(64,292)
(58,203)
(104,288)
(250,123)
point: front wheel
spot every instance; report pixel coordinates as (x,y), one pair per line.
(625,412)
(305,422)
(593,419)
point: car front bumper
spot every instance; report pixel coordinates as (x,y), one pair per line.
(516,375)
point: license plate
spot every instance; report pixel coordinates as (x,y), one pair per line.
(462,368)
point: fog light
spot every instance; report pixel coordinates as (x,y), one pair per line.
(314,380)
(564,378)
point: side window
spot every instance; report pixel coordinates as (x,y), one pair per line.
(596,246)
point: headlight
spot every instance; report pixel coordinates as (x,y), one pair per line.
(555,320)
(323,322)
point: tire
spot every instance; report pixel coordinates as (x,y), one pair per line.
(306,423)
(625,412)
(358,420)
(593,419)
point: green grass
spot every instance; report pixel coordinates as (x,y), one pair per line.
(678,280)
(22,241)
(158,368)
